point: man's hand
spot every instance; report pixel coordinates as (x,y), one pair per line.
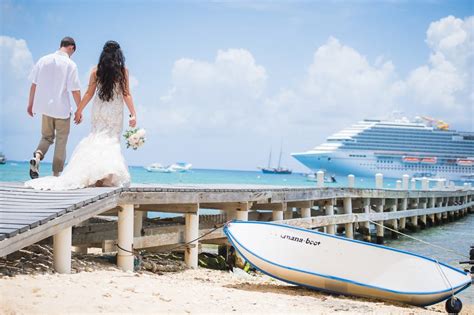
(77,117)
(30,110)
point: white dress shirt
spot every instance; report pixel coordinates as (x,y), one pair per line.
(54,75)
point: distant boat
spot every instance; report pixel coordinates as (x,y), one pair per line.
(345,266)
(181,166)
(158,168)
(273,170)
(3,159)
(173,168)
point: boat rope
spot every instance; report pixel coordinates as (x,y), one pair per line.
(216,227)
(420,240)
(445,278)
(135,252)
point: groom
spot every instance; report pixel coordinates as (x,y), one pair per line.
(52,77)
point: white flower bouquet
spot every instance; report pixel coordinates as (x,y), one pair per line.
(134,138)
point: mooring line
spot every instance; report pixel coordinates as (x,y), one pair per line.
(420,240)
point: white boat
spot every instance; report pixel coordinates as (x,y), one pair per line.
(344,266)
(180,167)
(158,168)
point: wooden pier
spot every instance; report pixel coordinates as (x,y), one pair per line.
(28,216)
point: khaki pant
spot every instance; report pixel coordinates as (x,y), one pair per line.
(54,128)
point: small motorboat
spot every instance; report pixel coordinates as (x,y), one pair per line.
(345,266)
(158,168)
(180,167)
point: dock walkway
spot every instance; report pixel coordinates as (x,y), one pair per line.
(28,216)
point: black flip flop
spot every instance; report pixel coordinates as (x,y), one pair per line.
(34,168)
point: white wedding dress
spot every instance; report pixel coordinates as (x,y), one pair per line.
(97,157)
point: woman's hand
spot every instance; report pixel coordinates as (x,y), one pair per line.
(132,122)
(78,117)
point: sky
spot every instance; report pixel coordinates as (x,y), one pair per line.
(221,83)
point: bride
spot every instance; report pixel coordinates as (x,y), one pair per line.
(97,160)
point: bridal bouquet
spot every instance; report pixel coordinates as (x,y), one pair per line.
(135,138)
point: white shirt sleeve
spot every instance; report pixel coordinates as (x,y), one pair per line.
(33,77)
(73,83)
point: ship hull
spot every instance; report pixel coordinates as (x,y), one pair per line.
(368,164)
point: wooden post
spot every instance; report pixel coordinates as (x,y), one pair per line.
(414,219)
(348,210)
(445,204)
(125,238)
(137,223)
(277,214)
(191,233)
(394,222)
(379,181)
(404,206)
(350,181)
(422,205)
(439,204)
(432,204)
(398,185)
(288,213)
(425,184)
(320,179)
(405,181)
(329,205)
(379,226)
(306,212)
(366,225)
(62,242)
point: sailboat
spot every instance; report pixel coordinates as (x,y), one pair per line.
(279,169)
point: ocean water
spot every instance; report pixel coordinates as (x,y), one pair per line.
(18,171)
(458,235)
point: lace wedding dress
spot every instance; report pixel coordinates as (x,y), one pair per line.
(97,157)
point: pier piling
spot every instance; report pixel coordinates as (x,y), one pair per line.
(125,238)
(348,210)
(329,205)
(191,233)
(62,246)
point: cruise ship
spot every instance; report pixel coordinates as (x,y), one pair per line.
(421,148)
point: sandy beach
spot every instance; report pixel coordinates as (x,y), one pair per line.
(200,291)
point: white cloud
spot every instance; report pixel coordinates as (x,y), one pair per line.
(16,62)
(444,86)
(16,58)
(213,95)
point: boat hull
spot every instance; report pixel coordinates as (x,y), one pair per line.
(334,264)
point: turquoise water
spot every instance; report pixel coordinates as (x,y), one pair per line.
(18,171)
(457,235)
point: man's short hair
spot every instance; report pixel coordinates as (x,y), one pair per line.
(68,41)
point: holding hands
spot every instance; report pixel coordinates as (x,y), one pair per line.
(78,117)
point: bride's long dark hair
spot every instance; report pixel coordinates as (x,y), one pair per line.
(111,71)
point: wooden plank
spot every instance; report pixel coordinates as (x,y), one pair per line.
(52,227)
(9,232)
(33,206)
(20,227)
(46,198)
(32,223)
(33,203)
(42,218)
(46,193)
(35,211)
